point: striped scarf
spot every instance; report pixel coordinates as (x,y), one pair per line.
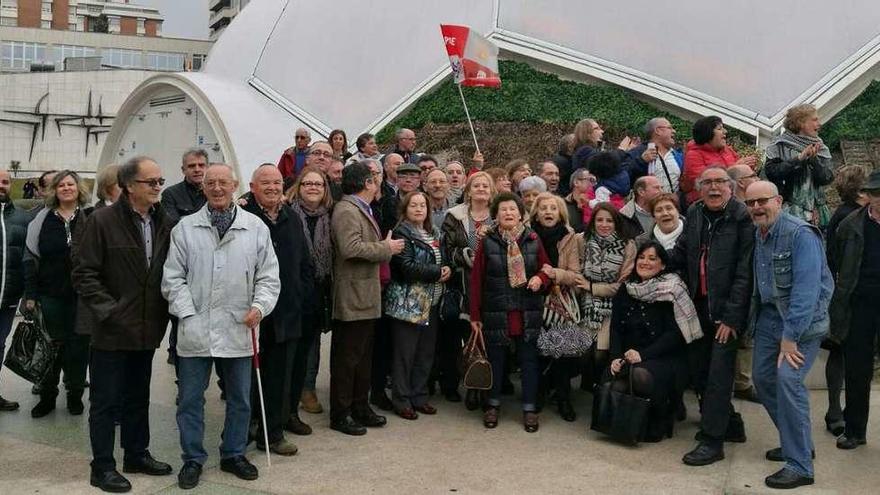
(669,287)
(602,263)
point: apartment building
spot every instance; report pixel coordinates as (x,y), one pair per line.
(104,16)
(222,13)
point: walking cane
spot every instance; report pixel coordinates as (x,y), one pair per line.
(260,391)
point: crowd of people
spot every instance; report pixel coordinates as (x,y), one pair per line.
(680,269)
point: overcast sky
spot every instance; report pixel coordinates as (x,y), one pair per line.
(183,18)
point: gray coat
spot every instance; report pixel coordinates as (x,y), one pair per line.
(211,283)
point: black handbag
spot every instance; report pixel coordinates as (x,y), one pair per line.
(451,303)
(32,353)
(622,416)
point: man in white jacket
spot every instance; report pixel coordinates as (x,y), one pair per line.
(220,279)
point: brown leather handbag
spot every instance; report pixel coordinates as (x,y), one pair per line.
(476,371)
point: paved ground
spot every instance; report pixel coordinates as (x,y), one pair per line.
(450,452)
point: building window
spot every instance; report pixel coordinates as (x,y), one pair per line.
(125,59)
(198,61)
(113,24)
(47,7)
(71,26)
(141,27)
(18,55)
(8,21)
(61,52)
(9,4)
(46,24)
(165,61)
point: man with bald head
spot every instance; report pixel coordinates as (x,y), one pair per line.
(793,288)
(118,261)
(281,350)
(294,158)
(220,279)
(743,176)
(405,145)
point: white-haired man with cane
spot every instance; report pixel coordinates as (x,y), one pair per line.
(221,278)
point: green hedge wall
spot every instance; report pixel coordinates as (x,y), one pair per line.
(860,120)
(527,95)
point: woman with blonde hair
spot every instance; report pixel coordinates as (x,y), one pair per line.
(549,219)
(47,266)
(463,228)
(799,163)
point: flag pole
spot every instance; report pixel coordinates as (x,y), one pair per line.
(468,114)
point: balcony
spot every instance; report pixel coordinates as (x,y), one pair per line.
(216,5)
(220,18)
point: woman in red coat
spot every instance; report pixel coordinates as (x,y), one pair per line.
(708,147)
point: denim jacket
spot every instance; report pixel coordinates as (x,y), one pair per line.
(791,264)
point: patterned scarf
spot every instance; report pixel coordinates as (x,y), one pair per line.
(222,219)
(320,247)
(669,287)
(516,266)
(602,263)
(807,201)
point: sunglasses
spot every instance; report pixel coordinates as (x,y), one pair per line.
(751,203)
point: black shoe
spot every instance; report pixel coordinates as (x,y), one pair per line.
(44,407)
(8,405)
(110,481)
(848,443)
(381,401)
(296,426)
(786,478)
(348,426)
(775,455)
(749,394)
(452,396)
(75,404)
(147,465)
(835,427)
(189,475)
(704,455)
(566,411)
(172,357)
(370,419)
(472,399)
(240,467)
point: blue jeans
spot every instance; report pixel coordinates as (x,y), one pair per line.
(194,373)
(783,393)
(6,317)
(527,356)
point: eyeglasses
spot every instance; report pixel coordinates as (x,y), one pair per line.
(309,183)
(715,182)
(302,137)
(751,176)
(751,203)
(152,182)
(210,184)
(325,154)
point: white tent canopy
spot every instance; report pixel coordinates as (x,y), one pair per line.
(358,64)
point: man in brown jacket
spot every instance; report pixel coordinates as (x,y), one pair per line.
(117,273)
(357,300)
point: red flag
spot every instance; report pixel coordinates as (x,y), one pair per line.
(474,59)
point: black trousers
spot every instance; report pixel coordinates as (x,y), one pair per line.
(858,351)
(450,339)
(383,353)
(414,347)
(712,370)
(299,367)
(59,315)
(120,388)
(351,356)
(276,360)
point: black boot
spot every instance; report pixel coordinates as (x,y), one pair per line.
(74,403)
(44,407)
